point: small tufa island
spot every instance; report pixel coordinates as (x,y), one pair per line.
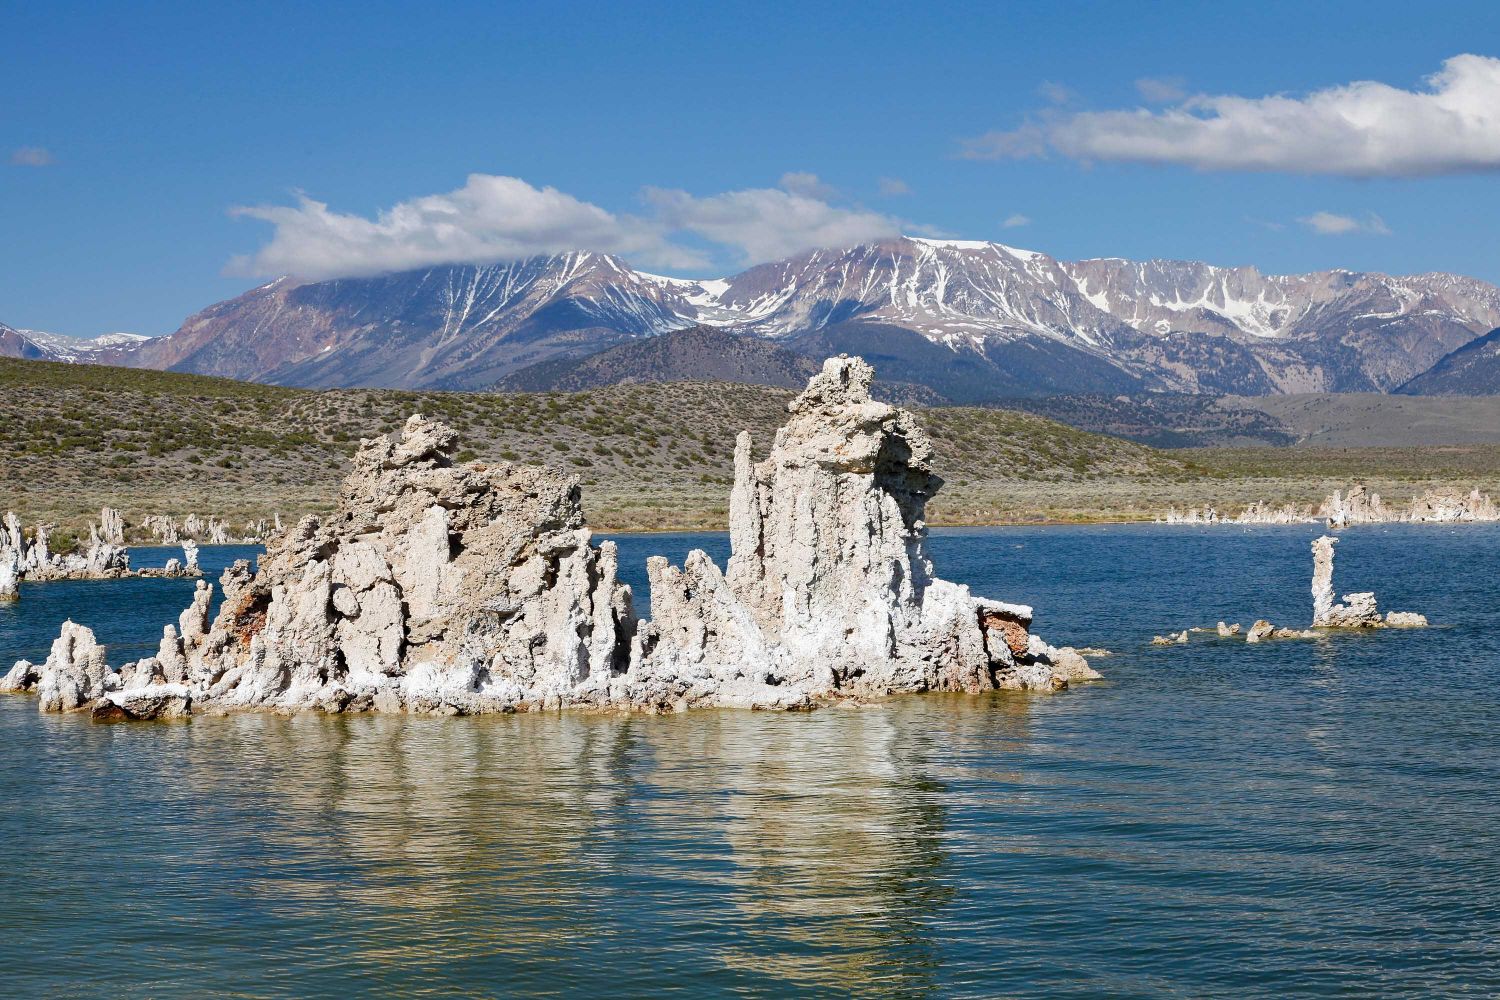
(1358,611)
(457,589)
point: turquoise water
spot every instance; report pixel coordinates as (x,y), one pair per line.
(1298,818)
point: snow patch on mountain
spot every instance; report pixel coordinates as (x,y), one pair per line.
(59,347)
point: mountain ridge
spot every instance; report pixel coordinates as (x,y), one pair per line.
(991,320)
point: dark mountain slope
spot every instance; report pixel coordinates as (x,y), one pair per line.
(1472,370)
(695,354)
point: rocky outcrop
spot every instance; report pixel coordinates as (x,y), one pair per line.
(75,678)
(10,574)
(1451,505)
(830,588)
(1192,515)
(204,530)
(1261,512)
(465,588)
(162,528)
(102,559)
(435,587)
(1357,610)
(112,526)
(1360,506)
(75,674)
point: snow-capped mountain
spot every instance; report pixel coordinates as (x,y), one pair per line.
(449,326)
(971,320)
(35,344)
(1267,333)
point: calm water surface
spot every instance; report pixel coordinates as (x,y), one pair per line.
(1301,818)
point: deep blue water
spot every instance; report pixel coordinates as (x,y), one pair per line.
(1295,818)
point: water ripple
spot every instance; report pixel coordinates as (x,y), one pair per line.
(1309,818)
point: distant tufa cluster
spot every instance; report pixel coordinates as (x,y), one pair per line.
(449,588)
(102,557)
(1359,506)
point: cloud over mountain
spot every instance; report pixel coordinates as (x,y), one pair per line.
(1360,129)
(765,224)
(495,218)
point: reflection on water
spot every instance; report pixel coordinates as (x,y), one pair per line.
(1296,818)
(567,830)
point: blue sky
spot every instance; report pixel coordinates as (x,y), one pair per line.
(695,140)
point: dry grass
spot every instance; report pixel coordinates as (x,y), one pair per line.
(74,438)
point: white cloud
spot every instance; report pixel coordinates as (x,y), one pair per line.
(1332,224)
(1056,93)
(32,156)
(1361,129)
(809,185)
(765,224)
(488,219)
(1161,89)
(494,218)
(891,187)
(1015,221)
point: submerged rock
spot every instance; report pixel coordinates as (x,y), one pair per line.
(447,588)
(155,701)
(1260,631)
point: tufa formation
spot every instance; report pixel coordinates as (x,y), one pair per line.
(438,587)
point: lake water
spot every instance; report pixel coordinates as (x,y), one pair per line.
(1294,818)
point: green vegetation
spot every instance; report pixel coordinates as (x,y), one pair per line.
(650,456)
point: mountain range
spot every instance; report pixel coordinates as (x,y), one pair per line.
(38,346)
(969,321)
